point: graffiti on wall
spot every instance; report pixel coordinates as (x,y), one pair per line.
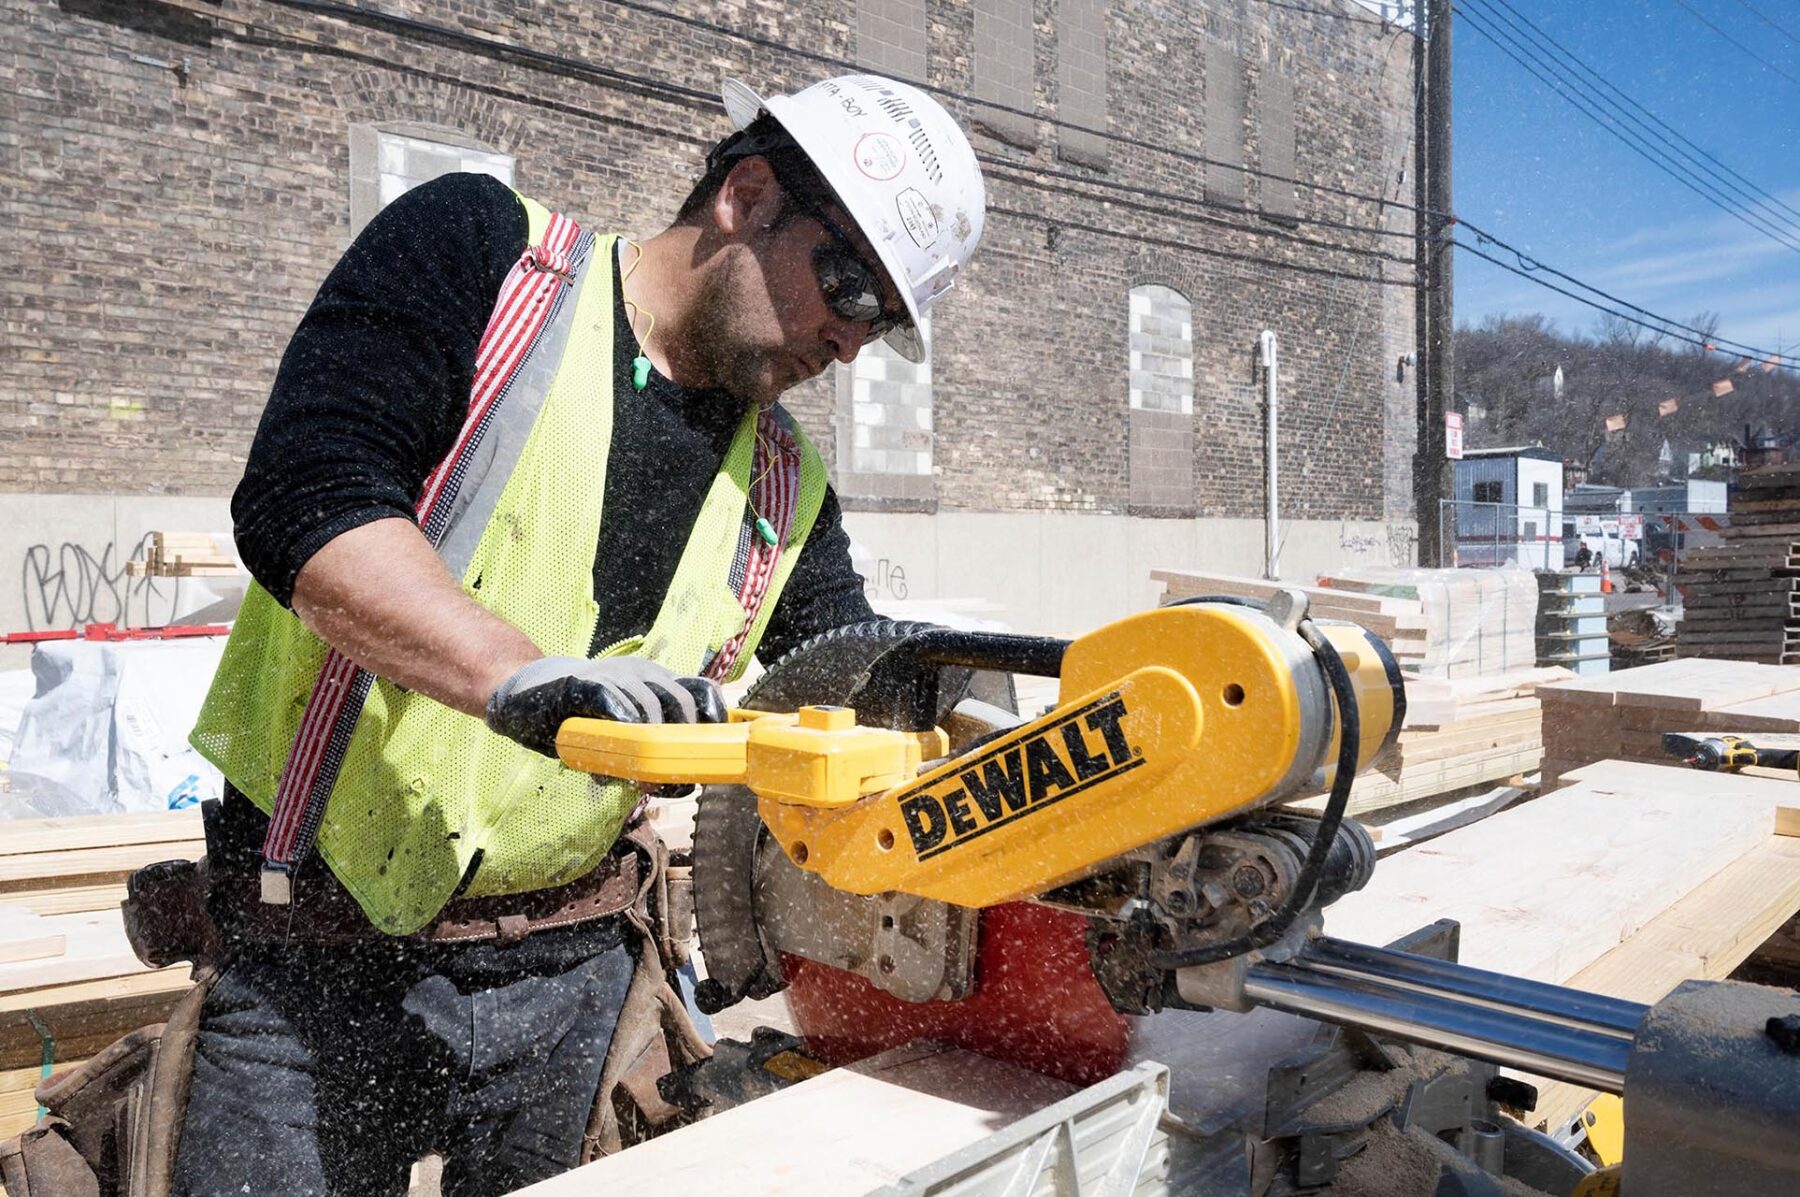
(887,579)
(70,585)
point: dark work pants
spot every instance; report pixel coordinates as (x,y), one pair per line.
(331,1070)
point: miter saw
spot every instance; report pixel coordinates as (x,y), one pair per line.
(885,838)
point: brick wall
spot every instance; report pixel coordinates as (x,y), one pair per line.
(177,183)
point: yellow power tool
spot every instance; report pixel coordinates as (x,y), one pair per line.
(1167,721)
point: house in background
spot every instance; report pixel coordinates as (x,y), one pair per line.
(1509,505)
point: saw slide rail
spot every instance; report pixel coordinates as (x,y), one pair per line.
(1563,1033)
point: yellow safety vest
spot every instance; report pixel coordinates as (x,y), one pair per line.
(423,788)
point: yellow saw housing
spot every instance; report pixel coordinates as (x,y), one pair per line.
(1167,721)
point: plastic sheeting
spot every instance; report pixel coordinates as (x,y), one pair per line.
(106,729)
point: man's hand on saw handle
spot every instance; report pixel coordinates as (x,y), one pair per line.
(532,704)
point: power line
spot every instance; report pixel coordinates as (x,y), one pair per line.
(1334,14)
(1174,197)
(1530,263)
(1632,140)
(1701,17)
(352,12)
(1000,168)
(1665,328)
(1203,250)
(1519,21)
(1765,20)
(976,102)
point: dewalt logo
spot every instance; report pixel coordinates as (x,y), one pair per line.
(1020,777)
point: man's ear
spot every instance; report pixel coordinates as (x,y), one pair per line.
(749,199)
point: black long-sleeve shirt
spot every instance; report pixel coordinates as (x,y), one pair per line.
(375,384)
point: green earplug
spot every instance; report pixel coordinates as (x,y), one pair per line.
(766,530)
(640,371)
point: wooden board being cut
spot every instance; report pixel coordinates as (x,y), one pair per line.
(847,1131)
(1544,889)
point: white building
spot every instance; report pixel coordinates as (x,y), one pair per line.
(1508,507)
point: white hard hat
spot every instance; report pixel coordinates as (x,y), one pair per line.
(903,171)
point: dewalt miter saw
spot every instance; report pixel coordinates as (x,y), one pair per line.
(883,837)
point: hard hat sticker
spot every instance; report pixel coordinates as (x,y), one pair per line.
(916,215)
(880,156)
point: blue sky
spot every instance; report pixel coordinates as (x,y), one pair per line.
(1530,167)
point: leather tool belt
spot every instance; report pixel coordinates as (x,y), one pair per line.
(323,912)
(168,913)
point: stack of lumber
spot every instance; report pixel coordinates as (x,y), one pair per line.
(64,958)
(1741,599)
(1628,882)
(1398,621)
(1459,732)
(1623,715)
(185,555)
(1478,622)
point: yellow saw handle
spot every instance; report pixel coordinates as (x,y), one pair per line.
(814,757)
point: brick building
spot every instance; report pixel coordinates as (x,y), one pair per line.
(180,174)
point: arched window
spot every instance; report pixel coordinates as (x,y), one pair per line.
(1162,350)
(1161,344)
(387,161)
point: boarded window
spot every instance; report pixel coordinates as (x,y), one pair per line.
(1224,85)
(890,37)
(1005,62)
(1162,350)
(1277,133)
(1162,402)
(386,163)
(1081,81)
(884,428)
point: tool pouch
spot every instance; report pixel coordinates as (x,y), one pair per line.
(654,1035)
(166,917)
(113,1123)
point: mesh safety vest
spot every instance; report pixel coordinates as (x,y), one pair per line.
(406,791)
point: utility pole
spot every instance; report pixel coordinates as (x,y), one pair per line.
(1434,316)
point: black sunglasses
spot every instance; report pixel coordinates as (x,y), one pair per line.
(851,286)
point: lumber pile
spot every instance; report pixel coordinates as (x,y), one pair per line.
(185,555)
(1741,599)
(1623,715)
(1458,733)
(1471,718)
(1478,622)
(64,958)
(1399,622)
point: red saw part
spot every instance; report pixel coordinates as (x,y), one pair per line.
(1036,1003)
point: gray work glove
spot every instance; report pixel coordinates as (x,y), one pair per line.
(531,705)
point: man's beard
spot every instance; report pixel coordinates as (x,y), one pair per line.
(743,373)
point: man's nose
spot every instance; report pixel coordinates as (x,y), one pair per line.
(845,337)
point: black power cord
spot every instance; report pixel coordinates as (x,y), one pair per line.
(1349,748)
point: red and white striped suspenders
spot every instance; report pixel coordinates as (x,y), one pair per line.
(527,300)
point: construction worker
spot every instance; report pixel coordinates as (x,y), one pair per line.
(512,471)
